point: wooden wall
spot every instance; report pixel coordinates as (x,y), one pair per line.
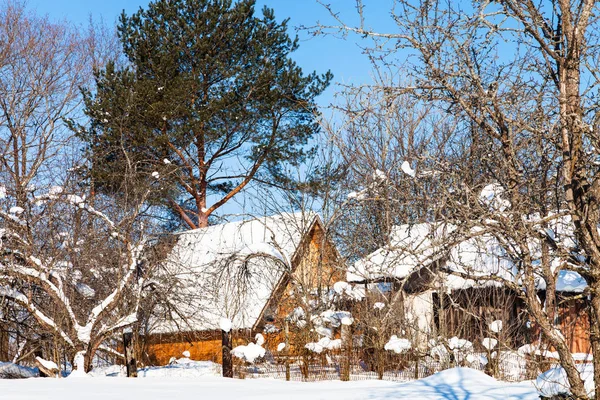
(467,313)
(575,325)
(316,269)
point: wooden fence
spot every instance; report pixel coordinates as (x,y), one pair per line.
(510,367)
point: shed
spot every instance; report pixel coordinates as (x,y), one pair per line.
(450,283)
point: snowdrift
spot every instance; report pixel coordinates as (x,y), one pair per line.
(9,370)
(186,379)
(554,381)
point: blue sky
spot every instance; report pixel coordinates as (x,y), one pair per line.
(343,57)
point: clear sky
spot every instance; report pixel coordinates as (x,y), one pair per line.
(343,57)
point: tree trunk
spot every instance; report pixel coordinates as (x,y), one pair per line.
(129,351)
(287,350)
(226,349)
(4,356)
(595,333)
(346,352)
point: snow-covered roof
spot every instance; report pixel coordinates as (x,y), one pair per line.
(230,271)
(412,247)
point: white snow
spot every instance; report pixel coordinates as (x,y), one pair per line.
(411,246)
(340,287)
(166,161)
(16,210)
(324,331)
(79,362)
(2,192)
(209,263)
(379,305)
(51,365)
(55,190)
(489,343)
(407,169)
(225,324)
(355,292)
(379,175)
(249,352)
(324,343)
(398,345)
(10,370)
(85,290)
(440,352)
(491,196)
(155,175)
(280,346)
(335,318)
(259,339)
(75,200)
(181,368)
(169,383)
(496,326)
(459,344)
(554,381)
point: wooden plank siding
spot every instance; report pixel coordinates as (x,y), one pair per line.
(574,322)
(467,313)
(314,270)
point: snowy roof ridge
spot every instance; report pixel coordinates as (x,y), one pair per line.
(410,246)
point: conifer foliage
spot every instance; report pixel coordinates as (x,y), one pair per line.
(209,101)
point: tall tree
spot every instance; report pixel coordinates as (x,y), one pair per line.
(210,102)
(69,268)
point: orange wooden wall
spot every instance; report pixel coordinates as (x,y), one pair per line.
(315,267)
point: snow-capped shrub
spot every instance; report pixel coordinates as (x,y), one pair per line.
(398,345)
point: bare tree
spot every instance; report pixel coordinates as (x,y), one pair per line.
(70,267)
(520,77)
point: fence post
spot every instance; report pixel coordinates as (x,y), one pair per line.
(417,367)
(287,350)
(129,351)
(346,352)
(226,349)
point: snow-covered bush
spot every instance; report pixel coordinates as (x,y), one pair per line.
(252,351)
(398,345)
(75,266)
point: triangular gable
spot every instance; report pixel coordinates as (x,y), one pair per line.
(230,270)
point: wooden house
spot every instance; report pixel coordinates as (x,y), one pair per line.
(249,272)
(447,286)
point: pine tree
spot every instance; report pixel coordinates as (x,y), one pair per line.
(210,100)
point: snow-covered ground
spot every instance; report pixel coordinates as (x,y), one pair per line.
(458,383)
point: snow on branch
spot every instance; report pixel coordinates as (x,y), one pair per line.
(108,302)
(20,298)
(42,278)
(121,323)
